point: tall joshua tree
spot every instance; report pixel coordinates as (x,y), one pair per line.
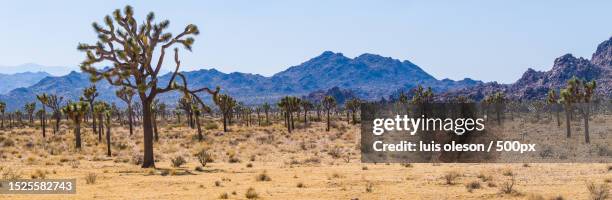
(131,48)
(126,94)
(44,100)
(197,112)
(76,112)
(226,104)
(329,103)
(551,100)
(2,110)
(89,95)
(30,108)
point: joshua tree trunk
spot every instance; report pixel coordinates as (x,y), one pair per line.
(224,122)
(77,135)
(327,121)
(148,161)
(558,120)
(100,126)
(305,118)
(197,122)
(567,121)
(42,122)
(586,111)
(347,118)
(108,137)
(130,119)
(354,119)
(267,121)
(154,115)
(93,125)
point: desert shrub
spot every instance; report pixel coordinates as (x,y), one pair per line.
(472,186)
(484,178)
(364,168)
(508,172)
(137,159)
(178,161)
(204,157)
(75,164)
(39,174)
(263,177)
(450,177)
(200,169)
(598,191)
(224,196)
(251,193)
(508,187)
(90,178)
(407,165)
(369,187)
(609,168)
(211,126)
(218,183)
(249,165)
(8,142)
(10,174)
(335,152)
(300,185)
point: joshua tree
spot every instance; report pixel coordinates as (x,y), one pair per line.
(584,97)
(2,110)
(306,105)
(44,100)
(226,105)
(126,94)
(283,104)
(89,95)
(154,113)
(131,47)
(100,109)
(353,106)
(197,112)
(41,114)
(30,108)
(161,109)
(568,96)
(497,100)
(76,112)
(329,102)
(266,109)
(107,122)
(54,102)
(185,103)
(551,100)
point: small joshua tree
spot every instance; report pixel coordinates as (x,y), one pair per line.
(76,112)
(99,109)
(54,102)
(353,106)
(44,100)
(306,106)
(126,94)
(30,108)
(551,100)
(89,95)
(329,103)
(266,109)
(226,104)
(108,114)
(568,98)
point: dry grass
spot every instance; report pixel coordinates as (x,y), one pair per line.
(282,166)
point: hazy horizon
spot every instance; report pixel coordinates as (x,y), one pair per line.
(447,39)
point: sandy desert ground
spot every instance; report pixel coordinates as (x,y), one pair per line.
(309,163)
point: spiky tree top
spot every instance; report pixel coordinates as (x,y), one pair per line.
(30,107)
(225,102)
(132,48)
(43,98)
(90,93)
(551,97)
(353,104)
(76,110)
(422,96)
(329,102)
(125,94)
(101,107)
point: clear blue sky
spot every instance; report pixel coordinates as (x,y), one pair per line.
(486,40)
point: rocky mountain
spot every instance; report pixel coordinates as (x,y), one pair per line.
(368,76)
(33,67)
(535,84)
(9,82)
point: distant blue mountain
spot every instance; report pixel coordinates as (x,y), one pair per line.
(9,82)
(368,76)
